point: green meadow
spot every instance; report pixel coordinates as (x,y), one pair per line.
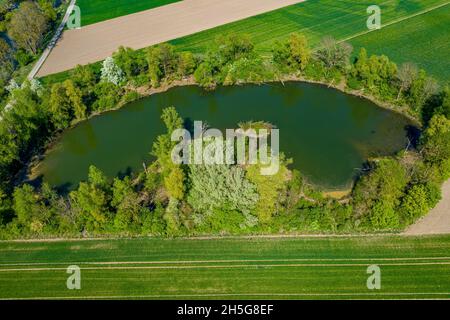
(314,18)
(423,39)
(258,268)
(93,11)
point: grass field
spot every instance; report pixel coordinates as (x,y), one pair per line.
(93,11)
(423,39)
(296,268)
(314,18)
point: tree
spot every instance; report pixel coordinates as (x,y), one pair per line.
(270,188)
(6,60)
(91,200)
(107,94)
(153,222)
(31,211)
(130,61)
(186,64)
(245,69)
(225,58)
(204,75)
(5,208)
(222,187)
(377,194)
(293,53)
(48,10)
(421,89)
(26,121)
(84,78)
(74,95)
(444,107)
(162,62)
(334,54)
(171,119)
(406,75)
(66,103)
(173,175)
(435,144)
(294,189)
(375,73)
(415,203)
(126,201)
(154,67)
(383,216)
(28,26)
(168,59)
(12,86)
(163,145)
(6,6)
(111,72)
(175,184)
(231,47)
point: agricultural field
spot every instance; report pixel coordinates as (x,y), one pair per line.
(314,18)
(423,39)
(344,21)
(93,11)
(295,268)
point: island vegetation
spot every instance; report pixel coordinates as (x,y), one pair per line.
(166,199)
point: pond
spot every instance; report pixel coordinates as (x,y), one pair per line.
(327,133)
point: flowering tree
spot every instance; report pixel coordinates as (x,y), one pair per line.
(12,85)
(111,72)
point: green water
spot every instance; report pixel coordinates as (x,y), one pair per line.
(328,134)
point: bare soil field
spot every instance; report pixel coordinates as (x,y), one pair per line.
(97,41)
(438,220)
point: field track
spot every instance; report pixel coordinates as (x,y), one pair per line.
(97,41)
(321,268)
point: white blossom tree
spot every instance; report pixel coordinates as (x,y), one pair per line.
(111,72)
(12,85)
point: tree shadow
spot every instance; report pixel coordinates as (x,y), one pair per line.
(413,134)
(125,173)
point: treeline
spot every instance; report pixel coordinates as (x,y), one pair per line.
(169,199)
(25,27)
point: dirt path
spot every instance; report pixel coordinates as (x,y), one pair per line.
(97,41)
(438,220)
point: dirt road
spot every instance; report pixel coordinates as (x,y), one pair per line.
(97,41)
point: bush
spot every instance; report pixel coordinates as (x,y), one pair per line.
(23,57)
